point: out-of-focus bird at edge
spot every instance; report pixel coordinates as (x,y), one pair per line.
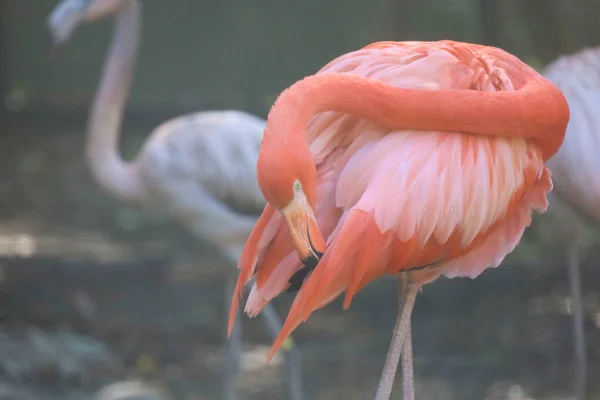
(576,175)
(415,159)
(199,168)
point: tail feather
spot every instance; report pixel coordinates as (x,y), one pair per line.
(248,261)
(281,246)
(276,260)
(336,260)
(275,284)
(403,255)
(371,260)
(334,271)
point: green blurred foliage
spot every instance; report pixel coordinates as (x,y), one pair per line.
(234,54)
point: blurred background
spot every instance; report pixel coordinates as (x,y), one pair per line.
(93,291)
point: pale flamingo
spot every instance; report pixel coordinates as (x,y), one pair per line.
(416,159)
(198,168)
(576,175)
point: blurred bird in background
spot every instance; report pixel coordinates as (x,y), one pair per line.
(576,176)
(198,168)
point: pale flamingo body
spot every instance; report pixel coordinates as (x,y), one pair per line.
(576,175)
(415,170)
(576,166)
(199,168)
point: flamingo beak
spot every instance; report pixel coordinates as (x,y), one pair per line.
(64,18)
(305,231)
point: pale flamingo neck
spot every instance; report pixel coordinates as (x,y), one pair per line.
(120,178)
(538,110)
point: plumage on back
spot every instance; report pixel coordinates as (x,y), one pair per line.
(217,149)
(202,169)
(576,166)
(397,200)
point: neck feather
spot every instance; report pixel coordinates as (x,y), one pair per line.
(537,110)
(118,177)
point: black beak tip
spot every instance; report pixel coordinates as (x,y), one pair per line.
(311,261)
(297,280)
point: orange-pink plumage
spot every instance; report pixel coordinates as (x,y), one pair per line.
(436,179)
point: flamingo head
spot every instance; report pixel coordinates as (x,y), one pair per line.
(68,14)
(288,178)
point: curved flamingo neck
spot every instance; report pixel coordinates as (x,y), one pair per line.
(537,110)
(120,178)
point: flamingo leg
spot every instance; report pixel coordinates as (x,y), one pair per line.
(384,390)
(234,346)
(293,360)
(580,370)
(408,379)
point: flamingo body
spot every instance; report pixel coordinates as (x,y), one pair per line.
(393,197)
(576,166)
(576,173)
(201,169)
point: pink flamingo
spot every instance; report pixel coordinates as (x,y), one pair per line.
(576,175)
(415,159)
(199,168)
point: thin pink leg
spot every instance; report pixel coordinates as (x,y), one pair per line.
(401,329)
(577,307)
(408,378)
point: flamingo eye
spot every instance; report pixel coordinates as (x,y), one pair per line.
(297,187)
